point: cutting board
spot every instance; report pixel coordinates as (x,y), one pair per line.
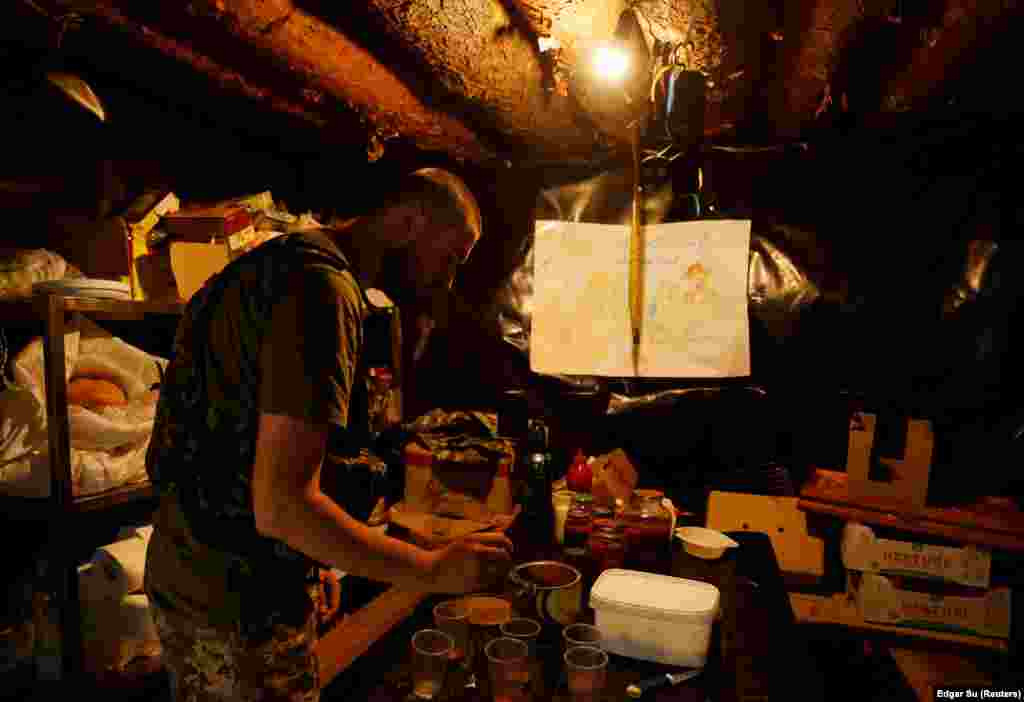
(432,529)
(801,556)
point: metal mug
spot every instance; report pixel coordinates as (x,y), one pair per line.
(549,591)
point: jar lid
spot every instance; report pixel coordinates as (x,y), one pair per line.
(649,494)
(610,529)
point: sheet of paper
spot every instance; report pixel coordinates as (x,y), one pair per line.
(695,287)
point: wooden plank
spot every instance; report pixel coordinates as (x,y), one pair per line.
(925,671)
(61,570)
(993,521)
(51,309)
(112,498)
(31,509)
(354,635)
(26,310)
(840,610)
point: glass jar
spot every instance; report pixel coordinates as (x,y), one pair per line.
(647,524)
(578,525)
(607,546)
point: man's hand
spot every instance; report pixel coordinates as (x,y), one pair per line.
(471,563)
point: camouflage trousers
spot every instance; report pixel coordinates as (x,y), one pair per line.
(211,665)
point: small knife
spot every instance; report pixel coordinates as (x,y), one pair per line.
(637,689)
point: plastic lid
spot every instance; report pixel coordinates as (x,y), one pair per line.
(650,593)
(706,538)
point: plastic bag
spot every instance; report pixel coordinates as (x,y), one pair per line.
(108,445)
(20,269)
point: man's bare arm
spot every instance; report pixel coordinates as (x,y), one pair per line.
(289,506)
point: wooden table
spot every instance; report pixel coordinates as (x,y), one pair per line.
(757,651)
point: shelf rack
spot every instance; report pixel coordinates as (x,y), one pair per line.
(62,508)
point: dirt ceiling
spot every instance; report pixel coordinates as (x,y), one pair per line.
(469,77)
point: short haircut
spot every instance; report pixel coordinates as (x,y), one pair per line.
(440,190)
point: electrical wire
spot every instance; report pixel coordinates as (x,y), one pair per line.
(4,382)
(657,77)
(662,155)
(800,146)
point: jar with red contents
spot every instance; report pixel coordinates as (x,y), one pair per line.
(607,542)
(648,530)
(578,525)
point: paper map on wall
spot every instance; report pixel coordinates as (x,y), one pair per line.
(695,300)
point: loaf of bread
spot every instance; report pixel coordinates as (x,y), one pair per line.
(95,392)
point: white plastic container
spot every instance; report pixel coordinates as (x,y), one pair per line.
(655,617)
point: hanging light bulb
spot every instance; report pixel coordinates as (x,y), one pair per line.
(77,90)
(610,62)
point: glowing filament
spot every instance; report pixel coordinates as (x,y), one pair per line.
(611,63)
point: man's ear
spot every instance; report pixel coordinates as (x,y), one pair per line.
(415,218)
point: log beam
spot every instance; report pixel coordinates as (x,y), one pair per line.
(813,34)
(227,79)
(467,77)
(486,66)
(941,47)
(326,65)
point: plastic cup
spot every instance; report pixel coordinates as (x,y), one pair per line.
(526,630)
(452,617)
(586,668)
(508,665)
(580,634)
(431,649)
(561,501)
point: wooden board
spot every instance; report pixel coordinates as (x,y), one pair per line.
(838,609)
(801,556)
(992,521)
(908,488)
(434,529)
(925,671)
(354,635)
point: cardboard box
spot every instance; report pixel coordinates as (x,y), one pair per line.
(863,551)
(446,485)
(896,602)
(906,486)
(176,271)
(204,225)
(142,217)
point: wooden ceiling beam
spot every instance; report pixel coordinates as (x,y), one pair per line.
(813,35)
(965,26)
(227,79)
(331,72)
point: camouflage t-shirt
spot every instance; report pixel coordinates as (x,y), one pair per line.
(278,331)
